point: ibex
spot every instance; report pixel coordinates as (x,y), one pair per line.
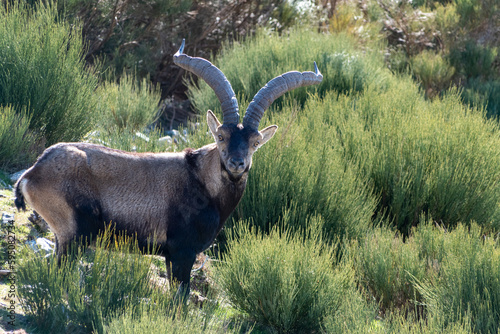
(183,199)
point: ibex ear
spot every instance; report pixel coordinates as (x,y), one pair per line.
(268,133)
(213,122)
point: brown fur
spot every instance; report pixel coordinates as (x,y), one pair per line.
(183,199)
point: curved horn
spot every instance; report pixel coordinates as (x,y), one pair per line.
(274,89)
(215,79)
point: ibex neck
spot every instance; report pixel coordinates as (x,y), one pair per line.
(222,188)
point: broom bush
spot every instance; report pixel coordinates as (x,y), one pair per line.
(42,71)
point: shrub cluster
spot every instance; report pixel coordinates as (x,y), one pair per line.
(42,73)
(16,140)
(282,279)
(126,106)
(87,287)
(249,66)
(305,251)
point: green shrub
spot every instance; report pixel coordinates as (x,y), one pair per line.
(432,71)
(129,105)
(447,19)
(387,267)
(151,140)
(354,315)
(474,60)
(340,155)
(87,288)
(284,279)
(468,283)
(250,65)
(16,140)
(42,71)
(469,10)
(301,173)
(172,320)
(436,158)
(409,323)
(483,94)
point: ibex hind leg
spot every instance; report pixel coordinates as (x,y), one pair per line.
(55,210)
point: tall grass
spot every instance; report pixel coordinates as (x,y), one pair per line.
(384,152)
(249,66)
(284,280)
(16,140)
(43,73)
(87,288)
(301,173)
(174,320)
(484,95)
(438,158)
(128,105)
(474,60)
(387,267)
(432,71)
(468,283)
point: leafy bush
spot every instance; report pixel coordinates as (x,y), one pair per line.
(284,279)
(249,66)
(87,288)
(16,140)
(432,71)
(128,105)
(43,73)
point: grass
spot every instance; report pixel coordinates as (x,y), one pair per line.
(282,279)
(128,105)
(88,287)
(467,283)
(337,229)
(42,73)
(16,140)
(249,66)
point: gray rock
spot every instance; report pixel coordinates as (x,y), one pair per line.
(165,141)
(7,218)
(42,245)
(14,177)
(142,136)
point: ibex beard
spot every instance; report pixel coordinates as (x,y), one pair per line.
(182,199)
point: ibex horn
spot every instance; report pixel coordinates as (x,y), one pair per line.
(215,79)
(274,89)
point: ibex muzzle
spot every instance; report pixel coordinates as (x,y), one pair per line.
(183,199)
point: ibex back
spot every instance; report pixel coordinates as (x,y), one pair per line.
(183,199)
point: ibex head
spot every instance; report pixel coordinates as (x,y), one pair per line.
(236,141)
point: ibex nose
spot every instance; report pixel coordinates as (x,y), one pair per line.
(237,162)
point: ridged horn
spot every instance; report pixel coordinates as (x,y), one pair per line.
(274,89)
(215,79)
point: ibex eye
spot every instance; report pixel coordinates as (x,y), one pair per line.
(256,144)
(221,138)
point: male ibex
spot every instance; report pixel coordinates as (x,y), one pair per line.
(183,199)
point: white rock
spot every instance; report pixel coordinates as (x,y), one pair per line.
(142,136)
(14,177)
(167,140)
